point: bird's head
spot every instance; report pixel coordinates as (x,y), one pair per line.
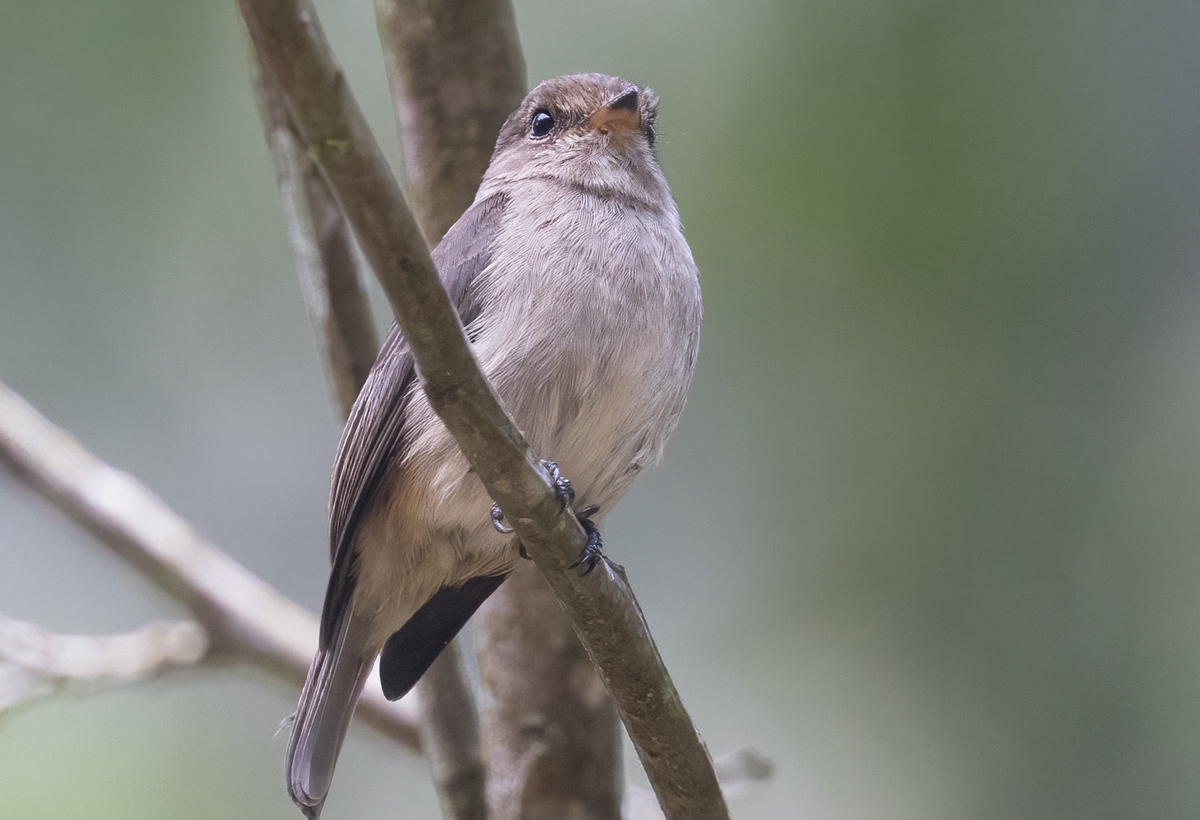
(590,131)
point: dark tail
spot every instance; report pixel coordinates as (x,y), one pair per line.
(411,649)
(335,680)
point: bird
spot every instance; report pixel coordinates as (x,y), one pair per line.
(581,301)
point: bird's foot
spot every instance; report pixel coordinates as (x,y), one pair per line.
(563,491)
(593,552)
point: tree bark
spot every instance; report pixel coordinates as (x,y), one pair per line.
(552,737)
(456,71)
(450,737)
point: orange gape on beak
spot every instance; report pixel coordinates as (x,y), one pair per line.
(618,117)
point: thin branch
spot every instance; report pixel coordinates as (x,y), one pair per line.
(245,618)
(450,737)
(601,606)
(741,770)
(35,662)
(323,248)
(456,71)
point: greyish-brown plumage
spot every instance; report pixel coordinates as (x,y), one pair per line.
(579,293)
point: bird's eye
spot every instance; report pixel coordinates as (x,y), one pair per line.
(541,124)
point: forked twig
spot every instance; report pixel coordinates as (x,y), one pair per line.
(243,616)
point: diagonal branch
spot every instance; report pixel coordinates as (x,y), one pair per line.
(245,617)
(601,606)
(739,773)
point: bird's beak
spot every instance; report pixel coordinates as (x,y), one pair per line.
(619,116)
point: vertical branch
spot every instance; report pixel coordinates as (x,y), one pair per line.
(450,737)
(553,741)
(456,71)
(323,248)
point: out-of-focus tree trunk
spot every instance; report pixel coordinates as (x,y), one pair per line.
(553,740)
(456,71)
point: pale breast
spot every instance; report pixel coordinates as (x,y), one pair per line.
(588,328)
(589,333)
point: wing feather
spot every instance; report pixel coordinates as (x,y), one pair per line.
(373,435)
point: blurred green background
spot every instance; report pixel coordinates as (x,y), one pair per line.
(927,535)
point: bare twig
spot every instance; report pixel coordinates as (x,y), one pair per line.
(245,618)
(741,770)
(323,248)
(601,606)
(35,662)
(450,737)
(456,71)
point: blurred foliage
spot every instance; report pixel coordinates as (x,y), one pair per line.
(927,534)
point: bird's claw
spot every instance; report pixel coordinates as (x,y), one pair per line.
(498,520)
(593,552)
(563,490)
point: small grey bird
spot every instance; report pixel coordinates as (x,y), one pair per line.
(582,303)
